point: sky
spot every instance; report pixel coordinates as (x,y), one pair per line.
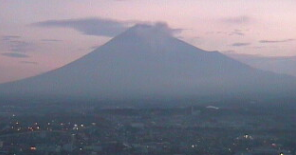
(38,36)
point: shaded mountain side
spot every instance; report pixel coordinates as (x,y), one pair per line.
(281,65)
(147,62)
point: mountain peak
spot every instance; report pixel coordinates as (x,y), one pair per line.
(156,27)
(151,30)
(155,35)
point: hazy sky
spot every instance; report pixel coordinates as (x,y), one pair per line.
(40,35)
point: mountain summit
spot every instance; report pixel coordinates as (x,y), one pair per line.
(146,61)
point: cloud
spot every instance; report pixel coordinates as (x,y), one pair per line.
(237,32)
(89,26)
(19,46)
(231,33)
(164,26)
(15,55)
(101,26)
(10,37)
(159,27)
(14,43)
(50,40)
(276,41)
(237,20)
(29,62)
(240,44)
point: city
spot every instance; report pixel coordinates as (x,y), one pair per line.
(178,130)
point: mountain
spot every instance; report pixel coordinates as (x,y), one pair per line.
(147,62)
(281,65)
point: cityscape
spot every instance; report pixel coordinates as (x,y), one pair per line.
(178,130)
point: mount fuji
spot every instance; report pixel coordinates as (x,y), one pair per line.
(146,61)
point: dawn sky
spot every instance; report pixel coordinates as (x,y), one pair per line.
(37,36)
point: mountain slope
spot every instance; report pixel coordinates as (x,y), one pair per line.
(281,65)
(147,62)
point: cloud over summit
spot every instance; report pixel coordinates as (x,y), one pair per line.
(102,26)
(88,26)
